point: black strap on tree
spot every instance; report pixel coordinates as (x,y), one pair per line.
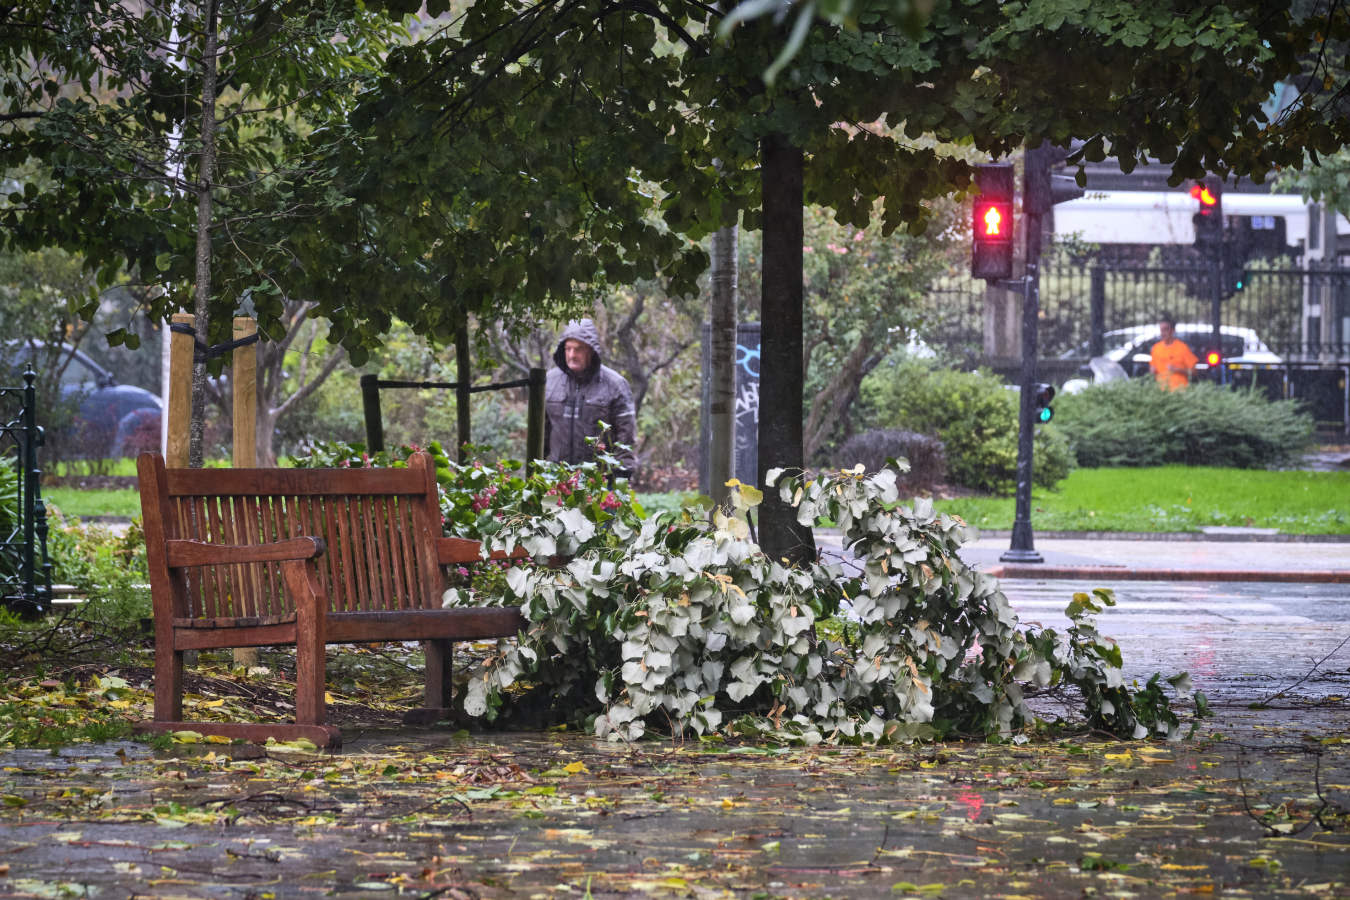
(201,352)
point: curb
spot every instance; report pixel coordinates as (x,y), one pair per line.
(1123,573)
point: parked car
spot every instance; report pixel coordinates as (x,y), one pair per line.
(106,418)
(1130,347)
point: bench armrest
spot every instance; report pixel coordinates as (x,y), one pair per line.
(450,550)
(180,553)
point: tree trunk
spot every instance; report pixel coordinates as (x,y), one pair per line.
(781,377)
(205,183)
(463,378)
(722,369)
(829,407)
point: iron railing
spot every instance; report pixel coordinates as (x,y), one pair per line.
(25,568)
(1301,313)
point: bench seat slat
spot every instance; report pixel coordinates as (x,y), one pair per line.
(425,624)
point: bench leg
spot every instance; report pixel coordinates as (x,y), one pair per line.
(310,635)
(440,672)
(168,682)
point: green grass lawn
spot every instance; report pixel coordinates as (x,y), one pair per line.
(1176,498)
(76,502)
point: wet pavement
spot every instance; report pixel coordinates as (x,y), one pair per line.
(1256,804)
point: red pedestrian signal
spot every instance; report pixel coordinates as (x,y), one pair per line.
(1206,197)
(992,219)
(1208,218)
(1213,358)
(992,227)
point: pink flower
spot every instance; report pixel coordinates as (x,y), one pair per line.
(837,249)
(808,249)
(858,236)
(610,501)
(462,571)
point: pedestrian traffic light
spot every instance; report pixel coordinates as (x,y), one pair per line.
(1208,218)
(1213,358)
(992,249)
(1044,393)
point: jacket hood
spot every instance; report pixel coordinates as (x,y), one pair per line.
(580,330)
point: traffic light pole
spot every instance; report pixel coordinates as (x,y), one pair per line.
(1023,549)
(1217,273)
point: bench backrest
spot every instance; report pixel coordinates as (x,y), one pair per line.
(380,527)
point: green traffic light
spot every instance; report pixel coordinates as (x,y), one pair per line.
(1045,414)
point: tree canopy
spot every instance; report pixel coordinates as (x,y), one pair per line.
(533,147)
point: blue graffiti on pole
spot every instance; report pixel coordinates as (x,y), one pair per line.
(747,412)
(745,357)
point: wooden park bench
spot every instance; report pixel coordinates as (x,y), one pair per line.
(302,557)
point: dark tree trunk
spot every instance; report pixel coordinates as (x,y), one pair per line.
(205,184)
(722,371)
(781,380)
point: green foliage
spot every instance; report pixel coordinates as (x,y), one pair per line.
(10,521)
(679,623)
(108,569)
(973,413)
(863,291)
(1134,423)
(36,715)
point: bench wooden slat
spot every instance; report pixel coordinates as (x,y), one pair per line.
(290,482)
(180,553)
(234,622)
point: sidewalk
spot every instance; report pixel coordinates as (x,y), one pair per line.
(1231,556)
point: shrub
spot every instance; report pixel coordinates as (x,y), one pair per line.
(109,569)
(925,454)
(1134,423)
(975,415)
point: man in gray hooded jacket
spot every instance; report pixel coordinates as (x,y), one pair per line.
(581,393)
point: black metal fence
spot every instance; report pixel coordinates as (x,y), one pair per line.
(1302,314)
(25,569)
(371,385)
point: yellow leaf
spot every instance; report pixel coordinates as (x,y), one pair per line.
(727,803)
(216,739)
(573,768)
(187,737)
(1120,756)
(212,704)
(328,698)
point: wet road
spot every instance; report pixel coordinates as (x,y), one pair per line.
(1241,642)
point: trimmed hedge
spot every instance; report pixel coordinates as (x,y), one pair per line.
(1134,423)
(924,453)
